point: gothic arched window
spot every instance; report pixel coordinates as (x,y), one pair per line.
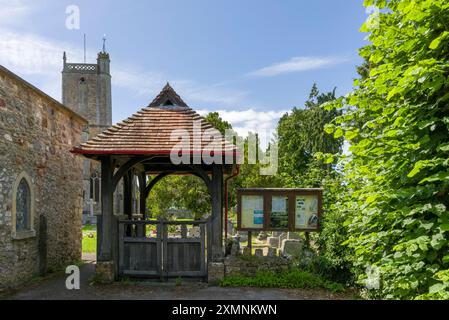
(23,206)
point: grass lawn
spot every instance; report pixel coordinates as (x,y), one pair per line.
(89,239)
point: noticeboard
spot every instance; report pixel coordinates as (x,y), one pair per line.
(279,209)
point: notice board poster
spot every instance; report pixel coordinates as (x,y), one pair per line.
(306,212)
(279,212)
(252,212)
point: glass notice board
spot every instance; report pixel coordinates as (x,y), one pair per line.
(279,209)
(252,212)
(279,212)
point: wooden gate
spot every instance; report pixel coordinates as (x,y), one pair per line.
(162,249)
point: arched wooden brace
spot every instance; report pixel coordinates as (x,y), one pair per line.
(199,172)
(155,180)
(162,175)
(125,168)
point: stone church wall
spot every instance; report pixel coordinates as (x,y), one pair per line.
(36,134)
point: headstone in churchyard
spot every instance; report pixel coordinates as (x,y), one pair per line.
(235,249)
(231,229)
(262,236)
(291,247)
(271,252)
(273,242)
(293,236)
(258,252)
(282,237)
(246,251)
(243,236)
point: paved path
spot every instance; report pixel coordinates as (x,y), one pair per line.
(54,289)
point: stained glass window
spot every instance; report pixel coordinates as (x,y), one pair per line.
(23,206)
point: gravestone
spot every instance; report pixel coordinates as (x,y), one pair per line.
(273,242)
(282,237)
(258,252)
(291,247)
(262,236)
(293,236)
(243,236)
(271,252)
(231,229)
(246,251)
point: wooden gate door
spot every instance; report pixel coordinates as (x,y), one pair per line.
(162,249)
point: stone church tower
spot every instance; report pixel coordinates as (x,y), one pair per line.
(86,89)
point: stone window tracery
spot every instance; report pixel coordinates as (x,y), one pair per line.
(23,208)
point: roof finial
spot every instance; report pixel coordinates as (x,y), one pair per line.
(64,57)
(104,43)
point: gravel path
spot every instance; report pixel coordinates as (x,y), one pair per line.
(54,289)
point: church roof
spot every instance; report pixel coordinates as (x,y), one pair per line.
(149,131)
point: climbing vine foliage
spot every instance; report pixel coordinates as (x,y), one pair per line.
(397,122)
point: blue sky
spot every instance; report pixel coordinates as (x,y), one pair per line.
(251,60)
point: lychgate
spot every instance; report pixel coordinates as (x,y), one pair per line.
(139,147)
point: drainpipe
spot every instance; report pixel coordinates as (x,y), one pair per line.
(235,174)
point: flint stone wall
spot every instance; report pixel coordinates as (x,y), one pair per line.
(250,265)
(36,134)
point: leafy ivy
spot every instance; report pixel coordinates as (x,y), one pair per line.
(397,121)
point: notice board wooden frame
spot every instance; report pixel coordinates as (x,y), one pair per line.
(267,194)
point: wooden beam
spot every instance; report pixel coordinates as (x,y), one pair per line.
(142,195)
(200,172)
(126,167)
(104,246)
(216,229)
(155,180)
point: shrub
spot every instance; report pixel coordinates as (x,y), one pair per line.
(289,279)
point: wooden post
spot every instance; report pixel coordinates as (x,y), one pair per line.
(217,213)
(127,200)
(165,251)
(250,241)
(203,268)
(127,194)
(121,250)
(42,245)
(160,258)
(105,228)
(141,231)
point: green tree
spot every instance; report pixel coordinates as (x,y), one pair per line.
(301,136)
(397,175)
(215,120)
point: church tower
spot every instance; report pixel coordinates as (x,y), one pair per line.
(86,89)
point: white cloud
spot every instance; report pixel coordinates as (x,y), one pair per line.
(296,64)
(243,121)
(13,11)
